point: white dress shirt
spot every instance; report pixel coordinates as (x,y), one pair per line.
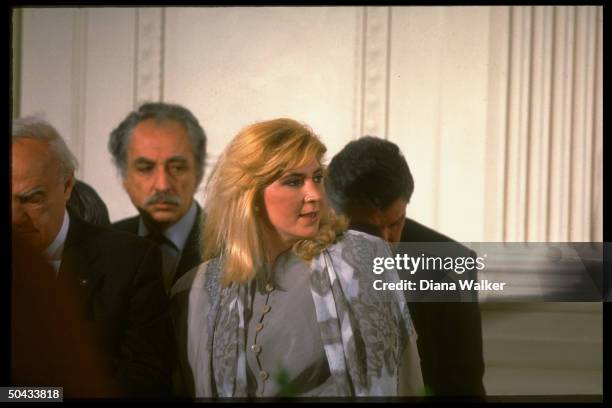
(53,253)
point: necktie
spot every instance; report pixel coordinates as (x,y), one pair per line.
(169,256)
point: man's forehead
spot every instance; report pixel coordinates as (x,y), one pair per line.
(152,127)
(32,158)
(145,159)
(152,140)
(28,146)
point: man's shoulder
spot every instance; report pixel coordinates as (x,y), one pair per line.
(415,232)
(108,238)
(127,224)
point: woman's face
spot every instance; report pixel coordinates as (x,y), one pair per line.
(293,203)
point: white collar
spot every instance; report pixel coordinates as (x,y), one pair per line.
(55,250)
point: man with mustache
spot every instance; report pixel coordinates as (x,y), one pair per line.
(73,278)
(160,151)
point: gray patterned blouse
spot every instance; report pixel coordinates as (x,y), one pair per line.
(346,339)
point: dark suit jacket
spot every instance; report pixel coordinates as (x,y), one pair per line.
(52,344)
(118,277)
(449,334)
(190,258)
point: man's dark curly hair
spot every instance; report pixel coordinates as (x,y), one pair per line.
(368,171)
(85,203)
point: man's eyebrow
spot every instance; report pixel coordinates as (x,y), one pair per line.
(143,160)
(30,193)
(173,159)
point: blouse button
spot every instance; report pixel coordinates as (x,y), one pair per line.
(258,327)
(267,308)
(269,287)
(263,375)
(256,348)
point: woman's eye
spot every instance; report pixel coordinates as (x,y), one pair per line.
(318,178)
(293,182)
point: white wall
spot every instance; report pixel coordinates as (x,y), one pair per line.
(497,109)
(236,66)
(78,72)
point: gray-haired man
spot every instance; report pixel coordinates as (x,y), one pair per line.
(115,275)
(160,151)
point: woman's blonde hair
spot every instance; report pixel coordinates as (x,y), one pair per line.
(233,228)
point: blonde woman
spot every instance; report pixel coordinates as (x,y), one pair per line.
(283,304)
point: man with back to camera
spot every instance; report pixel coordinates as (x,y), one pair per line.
(160,152)
(87,204)
(115,275)
(369,181)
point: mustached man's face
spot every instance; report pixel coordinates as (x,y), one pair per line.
(39,196)
(161,175)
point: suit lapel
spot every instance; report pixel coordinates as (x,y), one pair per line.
(80,264)
(128,224)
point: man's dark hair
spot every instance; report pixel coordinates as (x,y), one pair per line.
(86,204)
(368,171)
(160,112)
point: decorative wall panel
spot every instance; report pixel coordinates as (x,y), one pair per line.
(377,21)
(149,54)
(551,187)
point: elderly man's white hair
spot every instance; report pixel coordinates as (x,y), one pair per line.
(32,127)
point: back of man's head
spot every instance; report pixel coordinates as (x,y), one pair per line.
(368,172)
(86,203)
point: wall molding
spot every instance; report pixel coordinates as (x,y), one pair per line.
(497,91)
(376,61)
(597,165)
(552,136)
(359,68)
(149,73)
(79,87)
(16,44)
